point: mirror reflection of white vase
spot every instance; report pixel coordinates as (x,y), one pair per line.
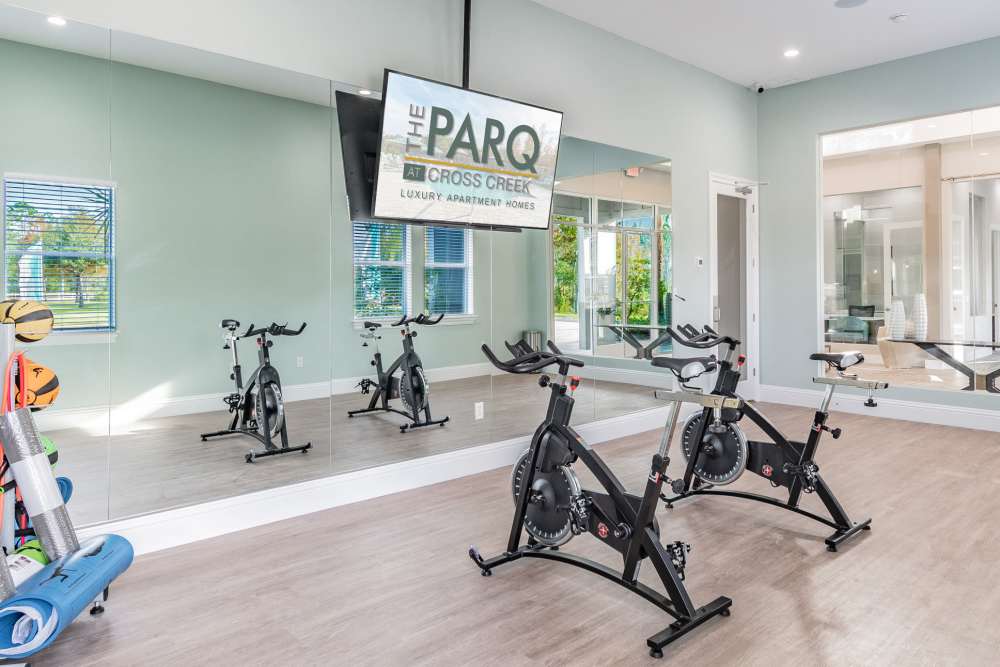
(920,317)
(897,320)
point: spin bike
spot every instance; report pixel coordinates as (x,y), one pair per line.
(258,408)
(411,386)
(552,507)
(717,450)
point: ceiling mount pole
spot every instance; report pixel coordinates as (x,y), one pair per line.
(465,44)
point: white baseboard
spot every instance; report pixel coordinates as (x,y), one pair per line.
(891,408)
(171,528)
(151,405)
(442,374)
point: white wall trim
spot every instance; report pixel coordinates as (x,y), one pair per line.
(170,528)
(146,407)
(890,408)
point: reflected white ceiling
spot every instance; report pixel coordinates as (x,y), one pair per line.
(743,41)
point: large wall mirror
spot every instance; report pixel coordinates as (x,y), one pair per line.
(164,200)
(60,204)
(911,250)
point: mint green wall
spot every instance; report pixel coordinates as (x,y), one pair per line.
(790,122)
(54,120)
(223,211)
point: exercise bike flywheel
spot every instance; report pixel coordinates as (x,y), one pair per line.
(548,519)
(724,450)
(268,397)
(413,389)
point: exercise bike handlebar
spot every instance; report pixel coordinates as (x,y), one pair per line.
(688,336)
(534,361)
(419,319)
(273,329)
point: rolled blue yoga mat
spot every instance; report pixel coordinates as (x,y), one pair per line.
(50,600)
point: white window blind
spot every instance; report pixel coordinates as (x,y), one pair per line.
(381,269)
(59,250)
(448,270)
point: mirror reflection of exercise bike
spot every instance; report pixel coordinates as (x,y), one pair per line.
(410,386)
(258,408)
(552,506)
(717,451)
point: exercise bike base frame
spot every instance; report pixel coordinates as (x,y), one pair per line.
(681,625)
(842,534)
(253,454)
(402,427)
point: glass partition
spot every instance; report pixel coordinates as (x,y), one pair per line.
(910,248)
(60,211)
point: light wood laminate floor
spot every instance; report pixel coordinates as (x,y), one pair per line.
(388,581)
(152,464)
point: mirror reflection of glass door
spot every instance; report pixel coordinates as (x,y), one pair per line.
(904,255)
(995,256)
(731,299)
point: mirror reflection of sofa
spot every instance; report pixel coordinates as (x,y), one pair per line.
(852,328)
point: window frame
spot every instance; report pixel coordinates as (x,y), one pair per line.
(75,334)
(468,265)
(406,264)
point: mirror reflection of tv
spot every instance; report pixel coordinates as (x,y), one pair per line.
(359,119)
(448,155)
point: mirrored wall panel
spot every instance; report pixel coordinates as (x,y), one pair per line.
(597,284)
(60,212)
(221,354)
(229,320)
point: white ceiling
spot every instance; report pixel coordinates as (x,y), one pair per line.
(743,40)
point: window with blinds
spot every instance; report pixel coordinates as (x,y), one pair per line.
(381,269)
(59,250)
(448,271)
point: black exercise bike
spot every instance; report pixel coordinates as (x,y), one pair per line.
(552,507)
(718,452)
(258,408)
(410,386)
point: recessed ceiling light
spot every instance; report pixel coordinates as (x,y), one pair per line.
(899,18)
(57,20)
(848,4)
(984,154)
(365,91)
(791,53)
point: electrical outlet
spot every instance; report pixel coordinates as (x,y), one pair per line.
(479,410)
(299,362)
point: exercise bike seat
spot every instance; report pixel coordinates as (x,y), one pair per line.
(370,325)
(686,368)
(232,325)
(839,360)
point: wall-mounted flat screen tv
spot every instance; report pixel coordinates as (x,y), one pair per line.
(456,156)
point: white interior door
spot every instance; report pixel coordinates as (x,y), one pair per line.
(733,269)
